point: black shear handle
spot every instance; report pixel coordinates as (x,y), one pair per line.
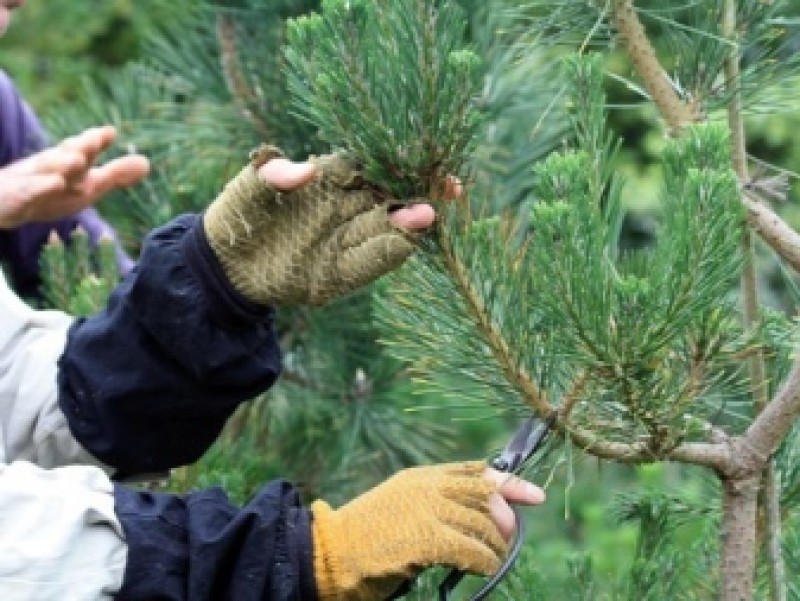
(455,576)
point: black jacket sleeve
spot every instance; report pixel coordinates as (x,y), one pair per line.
(148,384)
(199,547)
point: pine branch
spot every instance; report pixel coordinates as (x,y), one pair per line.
(633,453)
(773,424)
(767,431)
(778,234)
(677,114)
(675,111)
(534,397)
(716,455)
(770,496)
(393,84)
(241,92)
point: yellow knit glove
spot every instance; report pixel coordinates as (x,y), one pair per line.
(420,517)
(305,246)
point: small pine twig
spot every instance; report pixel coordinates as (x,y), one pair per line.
(677,113)
(573,396)
(239,89)
(532,394)
(778,234)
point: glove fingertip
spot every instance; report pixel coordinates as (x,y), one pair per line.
(376,257)
(338,169)
(480,558)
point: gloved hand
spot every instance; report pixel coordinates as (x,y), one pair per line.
(424,516)
(304,246)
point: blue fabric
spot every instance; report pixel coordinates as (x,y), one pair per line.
(148,384)
(200,547)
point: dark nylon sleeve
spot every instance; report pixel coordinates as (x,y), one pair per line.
(200,547)
(148,384)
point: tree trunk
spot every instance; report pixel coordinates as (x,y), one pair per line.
(738,538)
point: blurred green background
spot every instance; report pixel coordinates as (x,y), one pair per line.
(53,47)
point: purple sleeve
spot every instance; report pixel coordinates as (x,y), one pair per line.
(20,131)
(21,134)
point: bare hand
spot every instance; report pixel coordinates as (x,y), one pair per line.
(510,489)
(64,179)
(288,175)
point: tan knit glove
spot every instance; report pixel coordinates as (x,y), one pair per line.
(306,246)
(420,517)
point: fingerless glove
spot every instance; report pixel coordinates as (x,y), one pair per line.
(304,246)
(421,517)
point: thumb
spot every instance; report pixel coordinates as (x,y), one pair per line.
(286,175)
(415,217)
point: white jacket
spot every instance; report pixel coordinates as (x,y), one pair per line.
(59,535)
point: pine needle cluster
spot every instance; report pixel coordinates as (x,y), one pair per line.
(77,278)
(391,83)
(548,308)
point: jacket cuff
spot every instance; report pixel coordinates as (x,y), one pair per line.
(148,383)
(200,547)
(226,304)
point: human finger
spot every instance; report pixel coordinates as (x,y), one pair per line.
(62,161)
(510,489)
(514,489)
(414,217)
(502,515)
(121,172)
(91,142)
(377,221)
(286,175)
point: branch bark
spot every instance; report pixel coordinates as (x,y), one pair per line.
(675,111)
(772,425)
(738,538)
(769,498)
(778,234)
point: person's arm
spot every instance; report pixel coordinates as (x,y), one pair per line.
(22,134)
(51,189)
(149,383)
(70,533)
(455,515)
(32,427)
(201,547)
(59,535)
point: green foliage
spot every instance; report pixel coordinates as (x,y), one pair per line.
(50,47)
(646,331)
(690,36)
(544,294)
(661,569)
(77,278)
(393,84)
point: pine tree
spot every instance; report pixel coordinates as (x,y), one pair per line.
(523,298)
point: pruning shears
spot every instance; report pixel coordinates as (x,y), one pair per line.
(526,441)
